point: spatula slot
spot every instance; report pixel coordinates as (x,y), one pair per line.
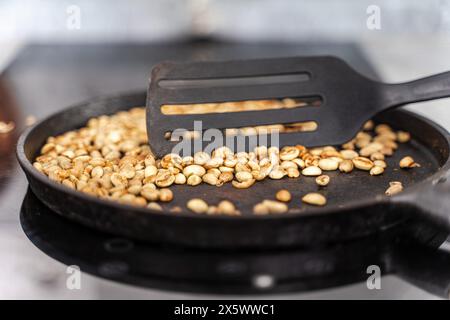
(234,81)
(207,141)
(240,106)
(242,119)
(306,126)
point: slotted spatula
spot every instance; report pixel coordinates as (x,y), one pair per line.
(348,99)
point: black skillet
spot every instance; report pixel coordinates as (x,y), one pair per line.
(356,203)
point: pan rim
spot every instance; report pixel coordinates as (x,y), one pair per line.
(379,199)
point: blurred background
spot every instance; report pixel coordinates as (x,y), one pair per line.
(403,39)
(234,20)
(54,53)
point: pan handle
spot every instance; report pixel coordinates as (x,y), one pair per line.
(429,88)
(432,201)
(427,268)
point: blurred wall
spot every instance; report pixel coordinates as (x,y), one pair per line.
(244,20)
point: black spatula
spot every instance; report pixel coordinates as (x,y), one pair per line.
(348,99)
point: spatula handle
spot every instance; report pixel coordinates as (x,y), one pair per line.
(429,88)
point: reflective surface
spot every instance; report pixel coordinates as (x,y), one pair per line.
(234,272)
